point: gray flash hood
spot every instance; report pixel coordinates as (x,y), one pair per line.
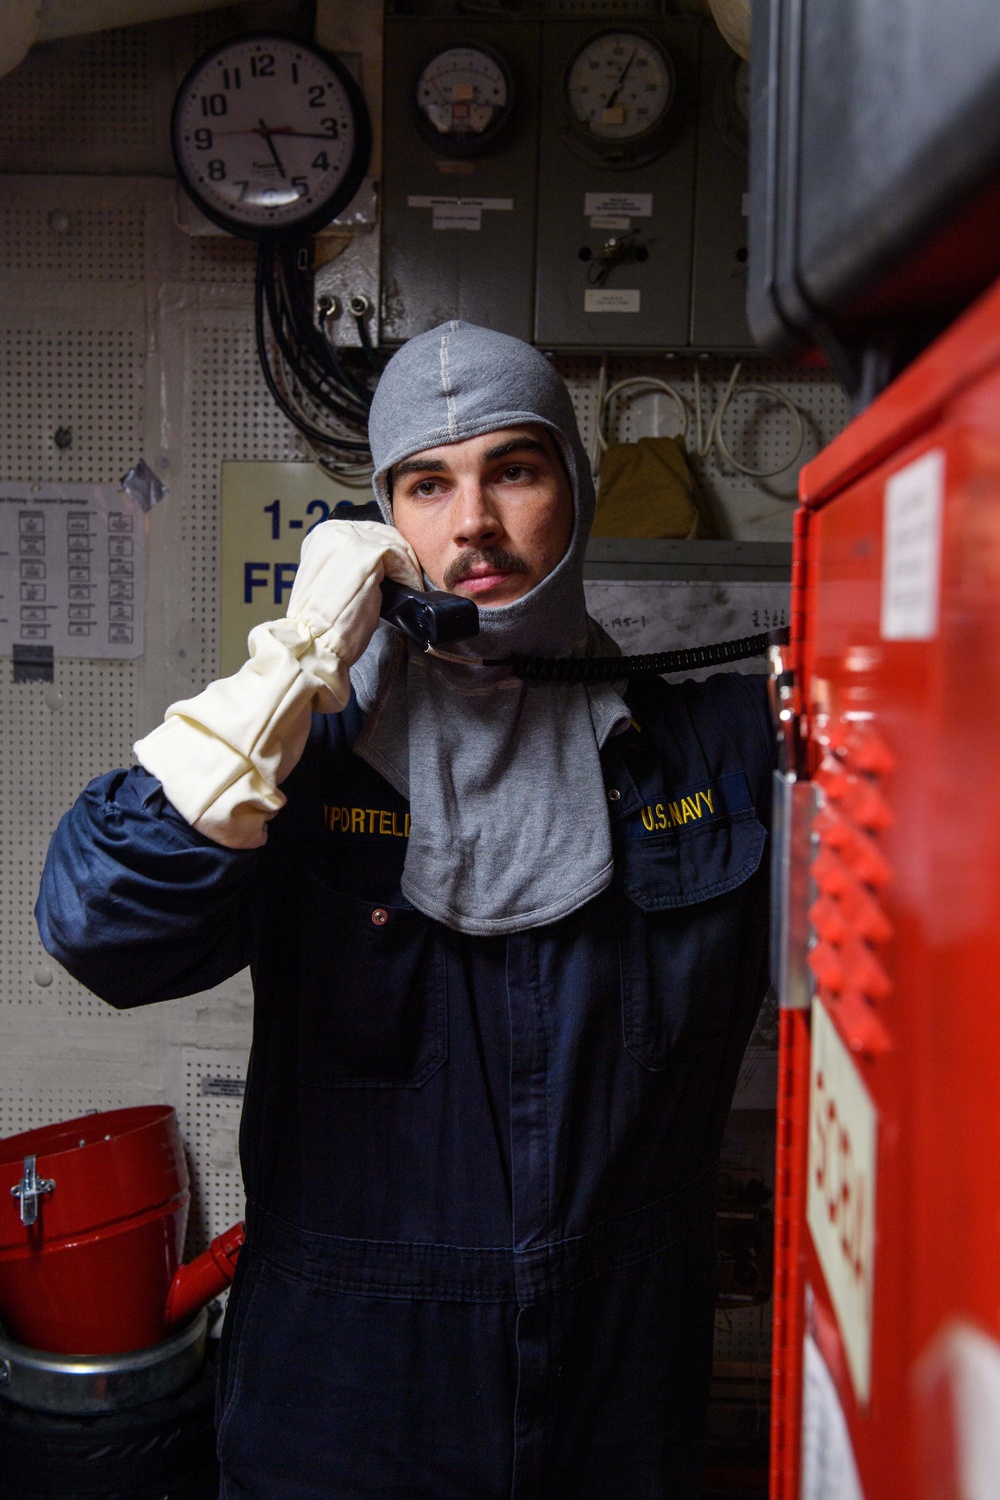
(509,825)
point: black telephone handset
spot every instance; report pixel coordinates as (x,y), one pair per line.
(435,619)
(431,619)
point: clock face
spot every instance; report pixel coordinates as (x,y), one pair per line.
(619,87)
(270,136)
(464,97)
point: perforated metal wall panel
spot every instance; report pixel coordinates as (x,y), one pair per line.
(138,340)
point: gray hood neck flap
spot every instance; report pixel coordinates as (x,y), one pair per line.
(508,810)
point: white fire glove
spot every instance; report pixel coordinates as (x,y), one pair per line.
(221,756)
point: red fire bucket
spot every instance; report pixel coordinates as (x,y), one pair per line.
(92,1220)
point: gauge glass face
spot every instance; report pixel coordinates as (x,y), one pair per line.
(463,94)
(264,132)
(620,86)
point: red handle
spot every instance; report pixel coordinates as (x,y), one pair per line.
(205,1277)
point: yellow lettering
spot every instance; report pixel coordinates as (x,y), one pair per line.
(676,814)
(345,818)
(690,808)
(647,819)
(383,823)
(357,820)
(332,817)
(372,815)
(406,826)
(707,797)
(661,817)
(395,831)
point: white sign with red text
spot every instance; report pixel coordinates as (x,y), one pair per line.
(840,1193)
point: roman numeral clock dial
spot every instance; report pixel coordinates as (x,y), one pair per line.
(271,137)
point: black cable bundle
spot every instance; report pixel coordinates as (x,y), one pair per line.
(615,668)
(312,382)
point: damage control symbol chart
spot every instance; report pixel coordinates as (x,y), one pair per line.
(72,570)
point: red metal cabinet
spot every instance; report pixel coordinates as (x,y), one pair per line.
(887,1327)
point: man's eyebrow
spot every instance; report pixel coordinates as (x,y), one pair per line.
(516,445)
(418,466)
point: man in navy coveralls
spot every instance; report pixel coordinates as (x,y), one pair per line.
(508,943)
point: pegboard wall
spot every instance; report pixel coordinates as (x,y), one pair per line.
(137,340)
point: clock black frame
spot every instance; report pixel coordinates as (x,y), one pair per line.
(342,194)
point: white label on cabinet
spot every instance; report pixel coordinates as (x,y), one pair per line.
(632,205)
(611,300)
(911,550)
(840,1193)
(458,213)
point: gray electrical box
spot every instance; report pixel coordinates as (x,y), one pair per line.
(721,202)
(460,163)
(615,215)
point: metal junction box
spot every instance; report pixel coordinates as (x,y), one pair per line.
(615,234)
(458,225)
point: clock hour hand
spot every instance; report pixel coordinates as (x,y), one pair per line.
(267,134)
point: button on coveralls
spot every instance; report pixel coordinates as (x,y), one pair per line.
(480,1221)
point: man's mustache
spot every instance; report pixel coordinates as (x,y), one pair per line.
(493,557)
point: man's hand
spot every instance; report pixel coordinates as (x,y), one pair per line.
(222,755)
(337,591)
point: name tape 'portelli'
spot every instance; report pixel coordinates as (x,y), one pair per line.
(374,821)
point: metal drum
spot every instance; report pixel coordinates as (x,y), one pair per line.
(92,1220)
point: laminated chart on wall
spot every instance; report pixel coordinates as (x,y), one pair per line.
(645,615)
(72,570)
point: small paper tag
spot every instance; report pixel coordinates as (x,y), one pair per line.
(611,300)
(633,205)
(222,1088)
(609,221)
(457,216)
(458,213)
(911,550)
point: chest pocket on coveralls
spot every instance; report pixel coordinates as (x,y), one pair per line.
(373,993)
(684,908)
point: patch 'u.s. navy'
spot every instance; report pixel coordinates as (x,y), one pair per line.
(706,803)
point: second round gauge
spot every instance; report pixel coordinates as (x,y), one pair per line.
(464,97)
(619,89)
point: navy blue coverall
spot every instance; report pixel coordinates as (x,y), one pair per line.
(479,1170)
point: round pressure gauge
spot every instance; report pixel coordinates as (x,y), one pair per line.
(464,97)
(731,104)
(619,89)
(271,136)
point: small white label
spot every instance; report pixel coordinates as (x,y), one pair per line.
(829,1470)
(911,550)
(459,213)
(457,216)
(840,1193)
(628,205)
(609,221)
(611,300)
